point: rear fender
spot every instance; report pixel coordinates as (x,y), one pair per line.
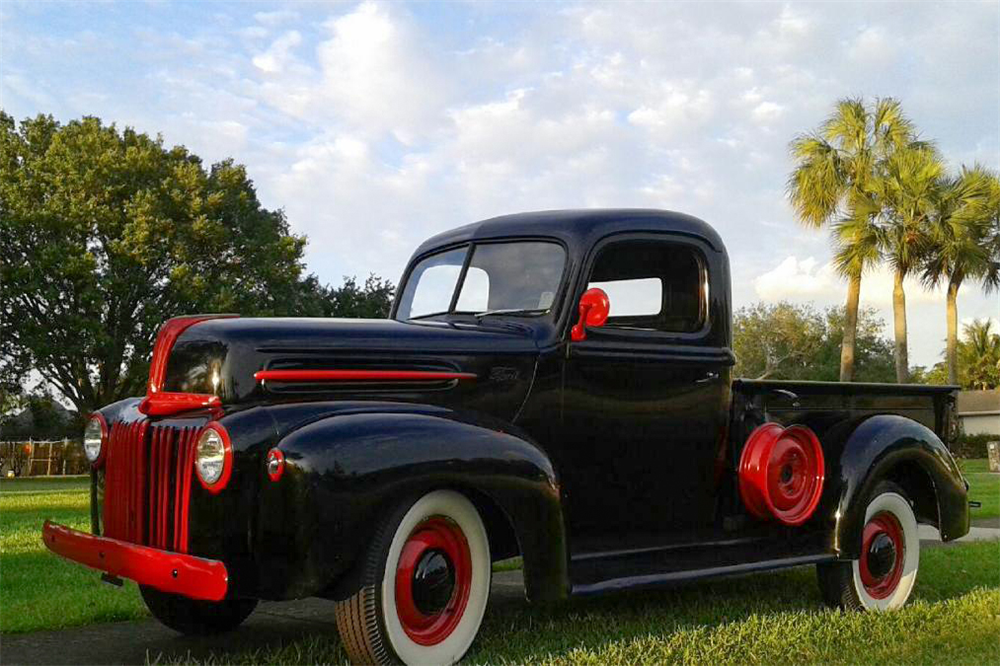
(883,447)
(343,472)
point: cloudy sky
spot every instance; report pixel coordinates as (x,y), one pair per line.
(375,125)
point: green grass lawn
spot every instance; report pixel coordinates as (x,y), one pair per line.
(774,618)
(983,487)
(39,590)
(767,618)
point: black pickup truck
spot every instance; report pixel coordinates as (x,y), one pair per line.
(552,385)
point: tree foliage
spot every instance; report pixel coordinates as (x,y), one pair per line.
(978,360)
(979,356)
(788,341)
(372,300)
(106,233)
(964,243)
(39,416)
(884,195)
(840,181)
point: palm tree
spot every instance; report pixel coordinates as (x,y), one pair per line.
(910,192)
(964,243)
(980,352)
(838,182)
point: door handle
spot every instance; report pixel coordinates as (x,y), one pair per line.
(785,393)
(709,377)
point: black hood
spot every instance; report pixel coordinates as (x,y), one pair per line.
(221,356)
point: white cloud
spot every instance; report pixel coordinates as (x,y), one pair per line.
(795,279)
(676,110)
(375,125)
(377,74)
(809,280)
(872,46)
(253,32)
(767,111)
(277,57)
(275,18)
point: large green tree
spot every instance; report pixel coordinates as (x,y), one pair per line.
(964,243)
(788,341)
(372,300)
(838,182)
(106,233)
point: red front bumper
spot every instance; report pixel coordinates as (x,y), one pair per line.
(194,577)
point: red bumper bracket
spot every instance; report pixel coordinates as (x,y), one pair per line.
(194,577)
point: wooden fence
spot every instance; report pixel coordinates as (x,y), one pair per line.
(34,457)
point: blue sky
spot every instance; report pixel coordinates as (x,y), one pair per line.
(375,125)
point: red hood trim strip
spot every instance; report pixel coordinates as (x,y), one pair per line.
(360,376)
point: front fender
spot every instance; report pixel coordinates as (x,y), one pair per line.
(873,449)
(345,470)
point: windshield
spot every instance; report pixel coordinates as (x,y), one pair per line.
(513,276)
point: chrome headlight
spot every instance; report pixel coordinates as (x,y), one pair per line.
(213,457)
(94,436)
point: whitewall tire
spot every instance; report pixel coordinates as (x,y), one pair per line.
(425,585)
(882,578)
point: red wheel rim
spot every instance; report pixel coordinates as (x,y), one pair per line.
(782,473)
(435,537)
(880,570)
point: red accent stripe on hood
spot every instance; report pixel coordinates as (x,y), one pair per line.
(359,375)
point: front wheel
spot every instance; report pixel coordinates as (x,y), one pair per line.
(195,617)
(424,586)
(883,577)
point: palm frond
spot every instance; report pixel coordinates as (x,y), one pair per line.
(890,126)
(815,187)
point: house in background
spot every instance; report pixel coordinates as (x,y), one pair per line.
(979,412)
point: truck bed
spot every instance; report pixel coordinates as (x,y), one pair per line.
(823,404)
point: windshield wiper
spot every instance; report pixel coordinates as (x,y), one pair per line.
(504,311)
(427,316)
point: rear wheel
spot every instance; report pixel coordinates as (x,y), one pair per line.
(194,616)
(883,577)
(425,584)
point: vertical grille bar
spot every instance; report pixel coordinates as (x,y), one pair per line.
(130,449)
(109,481)
(119,507)
(137,509)
(185,470)
(179,484)
(151,486)
(148,477)
(162,504)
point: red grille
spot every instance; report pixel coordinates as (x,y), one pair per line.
(147,477)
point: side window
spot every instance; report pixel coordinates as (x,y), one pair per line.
(652,285)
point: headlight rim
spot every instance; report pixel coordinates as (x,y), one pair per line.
(227,458)
(99,460)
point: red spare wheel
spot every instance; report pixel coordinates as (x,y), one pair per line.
(781,473)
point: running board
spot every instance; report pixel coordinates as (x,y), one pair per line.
(658,579)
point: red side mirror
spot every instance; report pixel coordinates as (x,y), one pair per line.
(594,309)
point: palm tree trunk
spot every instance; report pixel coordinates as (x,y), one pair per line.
(850,329)
(951,355)
(899,319)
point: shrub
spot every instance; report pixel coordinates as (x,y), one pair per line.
(972,446)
